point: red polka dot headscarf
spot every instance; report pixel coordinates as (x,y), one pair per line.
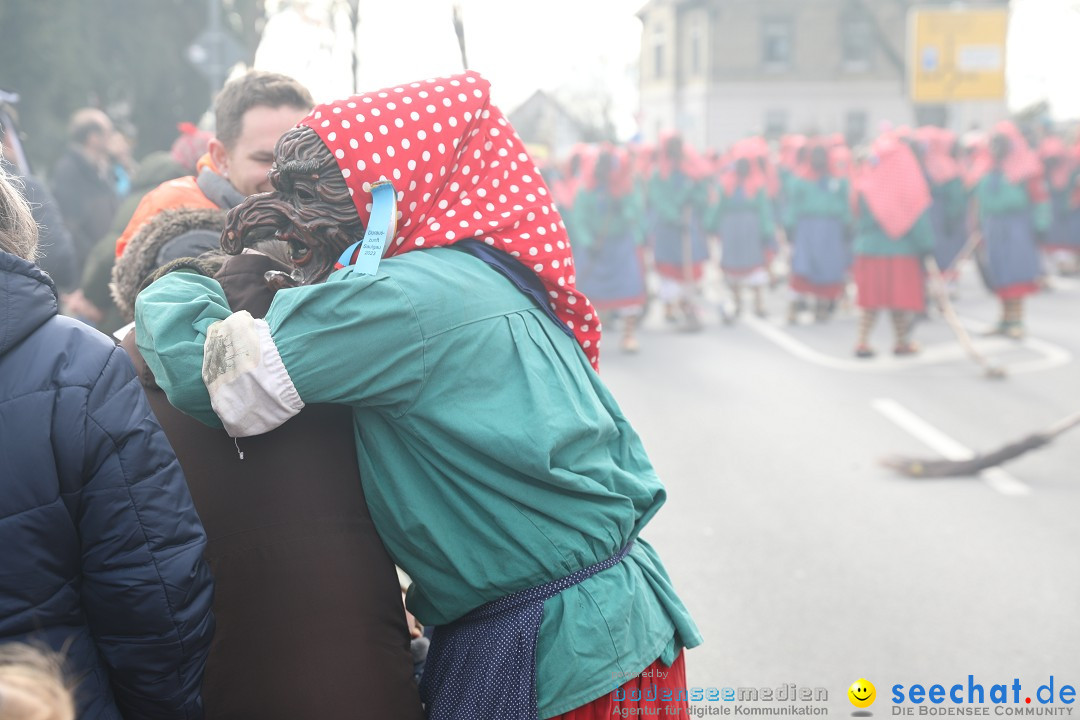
(460,171)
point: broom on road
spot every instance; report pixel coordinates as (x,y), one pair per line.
(912,467)
(941,295)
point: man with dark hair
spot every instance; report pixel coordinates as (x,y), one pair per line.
(251,113)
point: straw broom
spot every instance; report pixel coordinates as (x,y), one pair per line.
(941,295)
(915,468)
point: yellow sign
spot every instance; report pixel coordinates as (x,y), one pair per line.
(957,54)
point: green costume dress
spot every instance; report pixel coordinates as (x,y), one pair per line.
(492,455)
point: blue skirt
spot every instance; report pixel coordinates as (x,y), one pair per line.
(1065,225)
(742,246)
(610,273)
(949,238)
(668,243)
(483,665)
(1012,256)
(821,254)
(1072,234)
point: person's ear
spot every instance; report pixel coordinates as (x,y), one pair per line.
(219,156)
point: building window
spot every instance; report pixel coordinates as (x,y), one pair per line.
(776,42)
(855,127)
(857,39)
(658,52)
(776,123)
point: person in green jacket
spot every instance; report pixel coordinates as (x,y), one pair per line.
(678,194)
(1014,213)
(743,218)
(608,231)
(819,213)
(893,233)
(499,470)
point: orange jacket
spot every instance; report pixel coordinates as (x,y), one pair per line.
(182,192)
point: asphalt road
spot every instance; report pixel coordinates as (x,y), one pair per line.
(803,559)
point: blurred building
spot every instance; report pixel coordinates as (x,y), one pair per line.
(718,70)
(544,122)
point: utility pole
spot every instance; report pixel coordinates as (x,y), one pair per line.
(353,11)
(459,29)
(216,67)
(214,51)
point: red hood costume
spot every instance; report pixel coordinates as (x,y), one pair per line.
(893,186)
(460,171)
(620,181)
(756,179)
(1020,166)
(691,163)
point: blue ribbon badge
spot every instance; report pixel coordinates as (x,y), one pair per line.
(381,229)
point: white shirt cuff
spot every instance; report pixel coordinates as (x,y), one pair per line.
(250,389)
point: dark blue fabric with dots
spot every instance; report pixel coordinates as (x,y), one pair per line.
(483,665)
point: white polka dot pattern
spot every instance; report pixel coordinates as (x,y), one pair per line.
(445,147)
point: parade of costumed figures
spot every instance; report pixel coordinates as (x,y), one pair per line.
(608,231)
(818,216)
(499,470)
(743,219)
(679,196)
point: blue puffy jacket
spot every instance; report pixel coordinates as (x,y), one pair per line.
(100,546)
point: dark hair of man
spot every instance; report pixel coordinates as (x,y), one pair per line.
(255,89)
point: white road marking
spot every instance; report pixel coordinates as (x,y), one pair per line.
(949,448)
(1064,283)
(1052,356)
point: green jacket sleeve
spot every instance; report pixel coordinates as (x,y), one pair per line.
(634,211)
(353,340)
(846,211)
(660,199)
(171,320)
(922,234)
(579,221)
(765,214)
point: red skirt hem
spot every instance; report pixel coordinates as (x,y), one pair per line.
(649,693)
(830,292)
(678,272)
(742,272)
(1019,290)
(603,305)
(889,283)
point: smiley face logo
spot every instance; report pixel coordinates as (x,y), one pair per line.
(862,693)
